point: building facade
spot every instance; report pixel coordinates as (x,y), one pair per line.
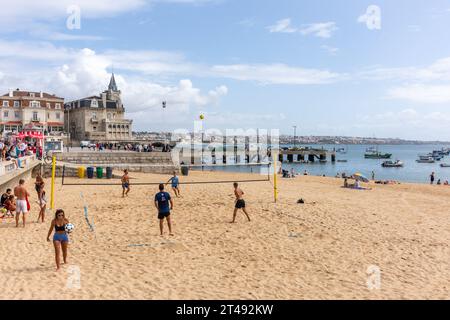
(31,110)
(98,118)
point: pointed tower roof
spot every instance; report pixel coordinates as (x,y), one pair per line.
(112,84)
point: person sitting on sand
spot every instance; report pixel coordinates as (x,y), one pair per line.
(239,202)
(175,181)
(5,197)
(346,185)
(439,182)
(305,173)
(60,238)
(43,207)
(10,206)
(125,183)
(162,201)
(446,183)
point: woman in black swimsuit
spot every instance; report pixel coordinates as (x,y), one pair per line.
(39,186)
(60,238)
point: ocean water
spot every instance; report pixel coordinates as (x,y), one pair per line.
(411,172)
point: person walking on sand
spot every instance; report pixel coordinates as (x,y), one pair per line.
(162,201)
(125,183)
(175,181)
(60,238)
(39,185)
(432,178)
(373,175)
(239,202)
(43,207)
(22,204)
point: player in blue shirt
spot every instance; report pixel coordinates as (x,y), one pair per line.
(175,184)
(164,203)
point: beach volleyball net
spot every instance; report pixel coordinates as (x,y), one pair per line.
(196,175)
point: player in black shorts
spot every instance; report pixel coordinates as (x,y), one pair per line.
(240,202)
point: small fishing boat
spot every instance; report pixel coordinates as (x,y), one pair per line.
(445,165)
(342,160)
(392,164)
(377,155)
(424,159)
(373,153)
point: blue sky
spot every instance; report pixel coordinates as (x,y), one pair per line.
(244,64)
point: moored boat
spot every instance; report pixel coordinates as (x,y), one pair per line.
(445,165)
(392,164)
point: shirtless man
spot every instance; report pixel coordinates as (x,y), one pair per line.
(240,202)
(125,183)
(21,193)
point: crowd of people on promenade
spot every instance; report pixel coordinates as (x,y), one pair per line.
(14,150)
(126,147)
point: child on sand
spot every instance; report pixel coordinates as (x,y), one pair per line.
(239,202)
(43,206)
(175,184)
(125,183)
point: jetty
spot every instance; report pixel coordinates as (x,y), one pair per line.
(303,155)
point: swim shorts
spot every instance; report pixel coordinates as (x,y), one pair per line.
(240,204)
(61,237)
(162,215)
(21,206)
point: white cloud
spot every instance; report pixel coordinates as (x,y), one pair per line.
(321,30)
(331,50)
(421,93)
(275,74)
(282,26)
(437,71)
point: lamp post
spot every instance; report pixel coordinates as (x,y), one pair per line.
(295,134)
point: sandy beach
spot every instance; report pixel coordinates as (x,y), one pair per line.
(318,250)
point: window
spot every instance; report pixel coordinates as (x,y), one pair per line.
(94,103)
(95,128)
(16,104)
(94,115)
(35,104)
(6,103)
(32,94)
(6,114)
(58,115)
(35,116)
(48,105)
(48,115)
(109,116)
(58,106)
(16,114)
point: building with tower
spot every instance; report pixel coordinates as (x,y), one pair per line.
(98,118)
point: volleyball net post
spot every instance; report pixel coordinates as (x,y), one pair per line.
(52,192)
(275,177)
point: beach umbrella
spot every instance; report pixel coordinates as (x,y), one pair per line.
(361,177)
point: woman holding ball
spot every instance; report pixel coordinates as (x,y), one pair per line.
(60,238)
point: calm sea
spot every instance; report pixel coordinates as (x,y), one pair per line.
(411,172)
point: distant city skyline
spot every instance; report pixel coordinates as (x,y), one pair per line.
(369,68)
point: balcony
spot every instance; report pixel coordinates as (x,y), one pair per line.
(94,120)
(35,119)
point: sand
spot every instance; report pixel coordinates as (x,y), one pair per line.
(318,250)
